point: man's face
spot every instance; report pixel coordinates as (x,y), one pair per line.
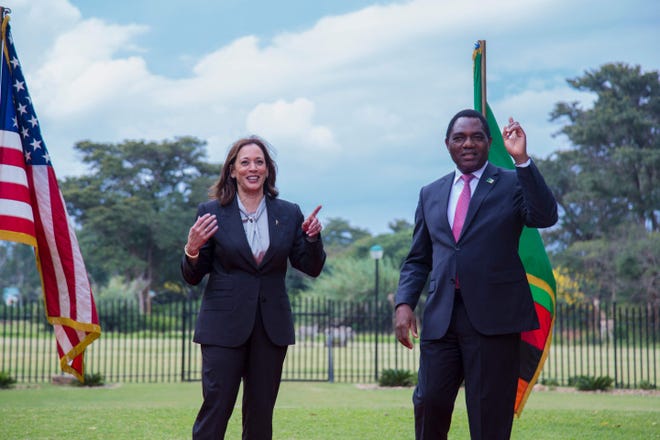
(468,144)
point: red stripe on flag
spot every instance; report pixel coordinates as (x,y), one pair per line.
(49,263)
(14,191)
(63,241)
(11,156)
(538,337)
(16,224)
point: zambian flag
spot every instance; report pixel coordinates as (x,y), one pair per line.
(534,345)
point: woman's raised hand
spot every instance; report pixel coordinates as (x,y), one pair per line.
(312,226)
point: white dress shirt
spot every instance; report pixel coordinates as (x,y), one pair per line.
(456,189)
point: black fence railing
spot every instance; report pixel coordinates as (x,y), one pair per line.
(336,341)
(621,342)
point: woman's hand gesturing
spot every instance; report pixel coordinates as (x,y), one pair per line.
(312,226)
(199,233)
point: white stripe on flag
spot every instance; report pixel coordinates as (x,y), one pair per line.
(83,292)
(11,139)
(13,174)
(13,208)
(60,335)
(42,189)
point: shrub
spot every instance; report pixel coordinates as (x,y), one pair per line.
(396,378)
(6,380)
(591,383)
(646,385)
(550,382)
(91,380)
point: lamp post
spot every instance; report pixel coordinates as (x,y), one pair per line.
(376,252)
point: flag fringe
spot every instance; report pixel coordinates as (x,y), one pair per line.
(76,351)
(76,325)
(18,237)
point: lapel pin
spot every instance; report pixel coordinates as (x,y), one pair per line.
(490,180)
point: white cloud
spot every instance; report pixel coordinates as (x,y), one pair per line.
(291,123)
(535,119)
(45,20)
(374,87)
(80,72)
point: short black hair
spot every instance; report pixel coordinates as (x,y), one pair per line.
(469,113)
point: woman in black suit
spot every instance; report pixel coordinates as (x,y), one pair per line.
(243,238)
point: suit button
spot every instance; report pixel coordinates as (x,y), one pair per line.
(263,299)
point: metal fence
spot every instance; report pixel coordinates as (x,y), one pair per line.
(336,341)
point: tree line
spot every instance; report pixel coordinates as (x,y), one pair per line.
(133,208)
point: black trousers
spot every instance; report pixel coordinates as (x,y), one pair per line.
(258,363)
(488,364)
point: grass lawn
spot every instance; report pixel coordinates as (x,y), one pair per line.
(305,411)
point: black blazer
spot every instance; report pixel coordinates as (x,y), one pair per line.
(236,283)
(493,283)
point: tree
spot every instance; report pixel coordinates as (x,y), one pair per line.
(612,176)
(637,264)
(625,267)
(349,278)
(608,184)
(338,234)
(399,225)
(349,275)
(568,289)
(135,206)
(395,246)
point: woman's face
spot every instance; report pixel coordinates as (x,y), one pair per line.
(250,170)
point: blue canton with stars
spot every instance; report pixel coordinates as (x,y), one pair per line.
(25,121)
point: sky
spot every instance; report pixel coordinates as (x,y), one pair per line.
(353,95)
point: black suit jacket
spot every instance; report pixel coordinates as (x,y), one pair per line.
(493,284)
(237,283)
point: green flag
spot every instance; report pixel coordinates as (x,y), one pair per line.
(534,345)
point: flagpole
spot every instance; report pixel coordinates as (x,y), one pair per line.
(4,19)
(484,108)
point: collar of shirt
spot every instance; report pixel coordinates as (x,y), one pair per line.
(477,174)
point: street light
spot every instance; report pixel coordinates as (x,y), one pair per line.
(376,252)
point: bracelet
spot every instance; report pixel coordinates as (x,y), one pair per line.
(185,251)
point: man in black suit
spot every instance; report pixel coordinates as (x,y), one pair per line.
(243,239)
(465,243)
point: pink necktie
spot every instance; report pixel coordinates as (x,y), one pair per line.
(462,206)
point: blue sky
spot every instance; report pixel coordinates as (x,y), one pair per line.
(354,96)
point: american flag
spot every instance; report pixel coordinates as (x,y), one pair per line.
(32,211)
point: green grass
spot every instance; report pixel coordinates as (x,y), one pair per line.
(305,411)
